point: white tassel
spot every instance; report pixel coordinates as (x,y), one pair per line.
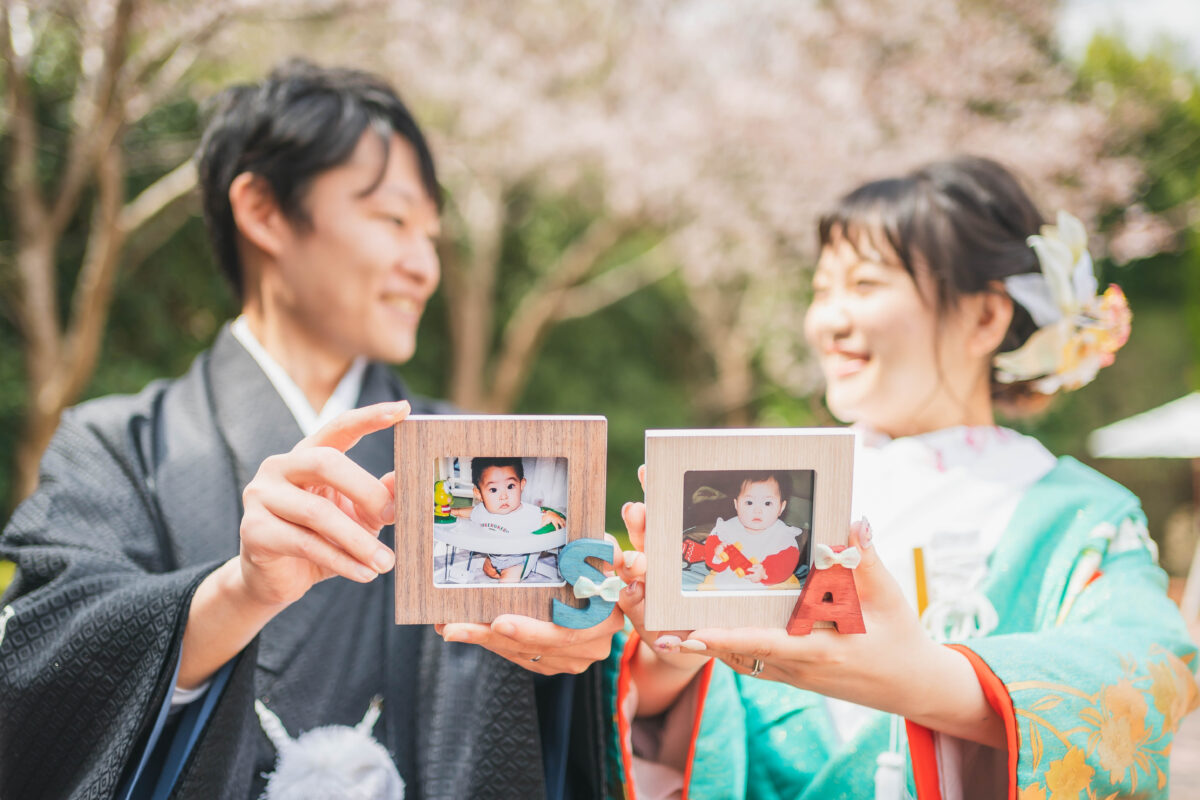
(889,776)
(330,761)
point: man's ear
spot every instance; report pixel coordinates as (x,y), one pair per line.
(990,315)
(256,213)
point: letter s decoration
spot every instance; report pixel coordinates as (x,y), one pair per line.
(588,583)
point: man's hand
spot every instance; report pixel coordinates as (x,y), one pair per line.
(310,514)
(541,646)
(313,513)
(537,645)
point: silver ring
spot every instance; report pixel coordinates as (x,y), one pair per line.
(757,669)
(536,659)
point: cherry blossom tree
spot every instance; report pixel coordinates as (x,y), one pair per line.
(66,162)
(725,128)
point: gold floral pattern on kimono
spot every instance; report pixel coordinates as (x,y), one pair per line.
(1113,739)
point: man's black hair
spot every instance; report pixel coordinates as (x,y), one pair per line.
(299,122)
(478,465)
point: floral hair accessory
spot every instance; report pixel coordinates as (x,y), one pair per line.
(1078,331)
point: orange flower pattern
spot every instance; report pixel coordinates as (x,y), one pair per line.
(1123,738)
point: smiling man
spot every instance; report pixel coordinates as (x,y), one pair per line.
(204,574)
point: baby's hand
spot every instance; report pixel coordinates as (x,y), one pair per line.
(490,570)
(552,518)
(719,551)
(757,573)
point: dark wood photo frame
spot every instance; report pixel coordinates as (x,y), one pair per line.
(422,440)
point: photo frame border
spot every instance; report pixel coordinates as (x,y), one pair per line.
(423,438)
(671,453)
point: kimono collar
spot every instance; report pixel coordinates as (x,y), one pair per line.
(986,448)
(310,421)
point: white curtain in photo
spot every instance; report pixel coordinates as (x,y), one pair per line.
(546,482)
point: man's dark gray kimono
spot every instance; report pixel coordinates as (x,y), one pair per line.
(139,499)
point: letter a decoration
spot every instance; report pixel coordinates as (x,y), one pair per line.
(829,594)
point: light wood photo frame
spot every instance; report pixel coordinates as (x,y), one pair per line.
(428,444)
(755,457)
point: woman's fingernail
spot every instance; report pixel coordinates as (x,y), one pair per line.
(634,588)
(667,644)
(693,645)
(389,513)
(865,536)
(629,557)
(504,628)
(625,508)
(454,636)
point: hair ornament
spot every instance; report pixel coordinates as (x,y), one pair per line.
(1079,332)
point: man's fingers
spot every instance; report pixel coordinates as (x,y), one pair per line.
(344,430)
(642,476)
(536,634)
(282,538)
(327,467)
(317,514)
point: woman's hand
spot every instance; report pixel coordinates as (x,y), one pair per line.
(660,672)
(895,666)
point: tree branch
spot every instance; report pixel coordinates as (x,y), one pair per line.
(94,107)
(615,284)
(93,291)
(157,196)
(28,202)
(538,310)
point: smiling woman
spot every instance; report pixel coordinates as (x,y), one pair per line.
(938,296)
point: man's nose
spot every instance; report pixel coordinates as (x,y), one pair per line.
(421,263)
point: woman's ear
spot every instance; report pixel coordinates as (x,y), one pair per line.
(991,314)
(256,213)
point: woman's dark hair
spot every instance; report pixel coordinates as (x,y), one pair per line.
(965,221)
(299,122)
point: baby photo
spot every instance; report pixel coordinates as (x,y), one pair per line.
(746,530)
(498,520)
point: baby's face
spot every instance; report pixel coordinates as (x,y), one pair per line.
(759,505)
(500,490)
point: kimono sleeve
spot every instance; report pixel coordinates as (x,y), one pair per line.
(1093,700)
(94,623)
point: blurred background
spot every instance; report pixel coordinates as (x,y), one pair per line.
(632,188)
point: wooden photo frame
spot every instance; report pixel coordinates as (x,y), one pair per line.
(442,516)
(694,481)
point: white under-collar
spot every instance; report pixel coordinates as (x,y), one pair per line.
(344,397)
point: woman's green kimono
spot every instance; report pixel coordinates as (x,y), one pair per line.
(1091,668)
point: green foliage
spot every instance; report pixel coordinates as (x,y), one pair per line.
(1157,105)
